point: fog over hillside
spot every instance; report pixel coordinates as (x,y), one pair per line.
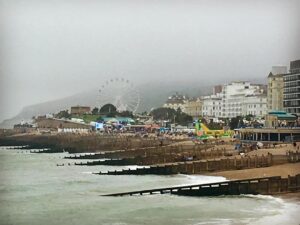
(58,48)
(152,95)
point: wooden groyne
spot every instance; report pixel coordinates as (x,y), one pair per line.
(162,157)
(47,151)
(293,157)
(110,162)
(265,186)
(199,151)
(120,153)
(203,166)
(194,167)
(75,143)
(156,155)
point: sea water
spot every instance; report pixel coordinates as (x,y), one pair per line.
(34,190)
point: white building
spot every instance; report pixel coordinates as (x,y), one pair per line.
(237,96)
(212,106)
(236,99)
(176,101)
(255,105)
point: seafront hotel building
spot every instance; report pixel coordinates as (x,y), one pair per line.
(236,99)
(291,101)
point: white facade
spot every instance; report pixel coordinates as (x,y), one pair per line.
(235,99)
(175,102)
(255,105)
(174,106)
(212,106)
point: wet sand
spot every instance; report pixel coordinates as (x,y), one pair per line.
(290,197)
(283,170)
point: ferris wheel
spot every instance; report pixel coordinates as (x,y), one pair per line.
(121,93)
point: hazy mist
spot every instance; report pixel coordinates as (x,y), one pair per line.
(53,49)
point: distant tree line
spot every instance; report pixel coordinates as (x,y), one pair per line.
(172,115)
(233,123)
(168,114)
(110,110)
(63,114)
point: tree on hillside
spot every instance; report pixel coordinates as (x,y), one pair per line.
(108,109)
(95,111)
(227,121)
(163,114)
(126,114)
(174,116)
(63,114)
(236,122)
(249,117)
(215,126)
(182,118)
(99,119)
(145,113)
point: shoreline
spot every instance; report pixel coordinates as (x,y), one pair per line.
(293,197)
(283,170)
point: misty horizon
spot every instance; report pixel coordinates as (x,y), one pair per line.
(51,50)
(190,90)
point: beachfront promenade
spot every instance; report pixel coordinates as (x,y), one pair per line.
(274,135)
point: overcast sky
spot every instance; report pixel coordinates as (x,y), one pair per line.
(55,48)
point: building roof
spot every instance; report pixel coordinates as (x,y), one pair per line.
(125,119)
(271,75)
(79,106)
(118,119)
(283,115)
(176,99)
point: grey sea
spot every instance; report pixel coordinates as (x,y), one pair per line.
(34,190)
